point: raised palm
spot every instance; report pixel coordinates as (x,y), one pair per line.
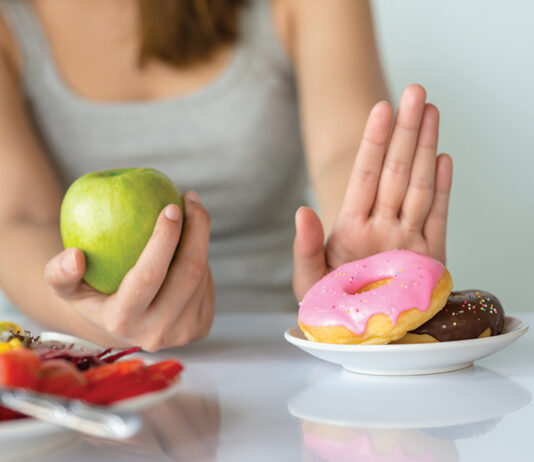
(397,196)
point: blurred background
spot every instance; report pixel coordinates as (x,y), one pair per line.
(476,61)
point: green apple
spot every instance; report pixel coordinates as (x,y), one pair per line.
(110,215)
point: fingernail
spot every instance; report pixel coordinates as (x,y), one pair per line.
(297,215)
(69,263)
(172,212)
(194,197)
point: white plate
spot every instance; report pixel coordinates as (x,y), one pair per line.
(70,340)
(414,359)
(40,436)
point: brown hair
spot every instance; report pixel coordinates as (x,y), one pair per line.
(184,32)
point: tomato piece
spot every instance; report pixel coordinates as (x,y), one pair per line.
(112,371)
(108,389)
(134,382)
(168,369)
(19,368)
(58,376)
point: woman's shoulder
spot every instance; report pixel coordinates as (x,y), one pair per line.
(290,18)
(266,32)
(282,12)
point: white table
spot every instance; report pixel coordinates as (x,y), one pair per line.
(241,383)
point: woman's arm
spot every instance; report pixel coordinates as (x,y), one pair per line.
(339,80)
(159,304)
(30,198)
(392,191)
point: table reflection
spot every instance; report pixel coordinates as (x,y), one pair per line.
(345,444)
(185,427)
(349,417)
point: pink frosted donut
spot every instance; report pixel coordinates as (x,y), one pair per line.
(375,300)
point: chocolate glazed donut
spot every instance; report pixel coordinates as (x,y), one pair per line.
(468,314)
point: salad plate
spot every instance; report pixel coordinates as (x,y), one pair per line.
(137,403)
(410,359)
(41,437)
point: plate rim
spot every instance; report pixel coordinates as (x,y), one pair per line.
(50,335)
(517,331)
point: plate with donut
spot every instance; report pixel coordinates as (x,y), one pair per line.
(394,313)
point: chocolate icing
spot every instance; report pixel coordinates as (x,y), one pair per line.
(466,315)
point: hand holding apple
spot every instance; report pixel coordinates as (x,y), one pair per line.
(162,301)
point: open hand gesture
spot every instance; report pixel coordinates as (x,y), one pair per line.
(397,195)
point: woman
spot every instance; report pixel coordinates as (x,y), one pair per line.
(206,91)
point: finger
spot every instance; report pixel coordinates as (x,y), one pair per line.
(191,261)
(65,271)
(308,251)
(435,229)
(420,193)
(142,282)
(398,162)
(361,190)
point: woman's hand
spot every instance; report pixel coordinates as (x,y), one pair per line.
(161,302)
(397,196)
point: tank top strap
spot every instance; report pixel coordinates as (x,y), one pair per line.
(27,33)
(259,33)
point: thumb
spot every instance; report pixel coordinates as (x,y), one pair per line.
(308,251)
(64,272)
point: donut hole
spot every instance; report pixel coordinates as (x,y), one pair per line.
(370,286)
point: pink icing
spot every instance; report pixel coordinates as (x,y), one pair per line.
(361,449)
(333,300)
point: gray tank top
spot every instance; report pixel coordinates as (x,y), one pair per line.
(236,141)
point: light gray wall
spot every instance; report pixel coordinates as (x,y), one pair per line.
(476,60)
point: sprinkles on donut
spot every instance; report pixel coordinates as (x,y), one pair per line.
(468,314)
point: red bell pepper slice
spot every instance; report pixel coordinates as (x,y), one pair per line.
(59,376)
(168,369)
(111,372)
(134,381)
(19,368)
